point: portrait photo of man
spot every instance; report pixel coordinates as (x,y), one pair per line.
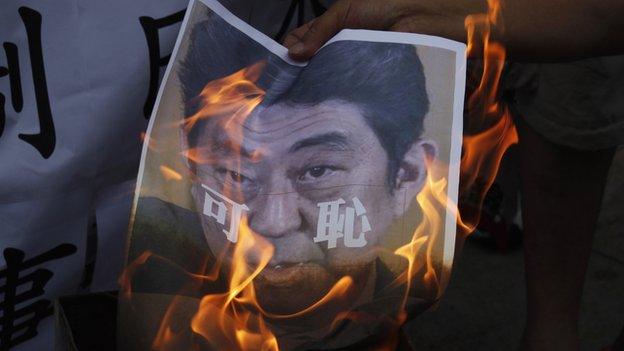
(347,127)
(322,160)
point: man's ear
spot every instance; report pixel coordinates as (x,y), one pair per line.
(412,174)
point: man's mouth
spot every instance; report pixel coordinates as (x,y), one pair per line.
(287,273)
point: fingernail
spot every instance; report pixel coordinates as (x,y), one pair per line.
(297,48)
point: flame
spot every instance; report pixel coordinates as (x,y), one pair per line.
(489,125)
(227,321)
(230,320)
(234,319)
(433,201)
(337,291)
(236,95)
(167,338)
(149,141)
(492,133)
(125,279)
(169,173)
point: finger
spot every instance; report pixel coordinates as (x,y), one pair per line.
(313,35)
(297,34)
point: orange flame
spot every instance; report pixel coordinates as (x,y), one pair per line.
(489,125)
(149,141)
(125,279)
(230,320)
(433,201)
(227,321)
(235,95)
(169,173)
(234,320)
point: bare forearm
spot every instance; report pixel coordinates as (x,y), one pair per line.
(530,29)
(562,29)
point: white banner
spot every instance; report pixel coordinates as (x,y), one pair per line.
(78,80)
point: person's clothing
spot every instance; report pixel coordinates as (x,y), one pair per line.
(174,237)
(577,104)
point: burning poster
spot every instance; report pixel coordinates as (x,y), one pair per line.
(293,206)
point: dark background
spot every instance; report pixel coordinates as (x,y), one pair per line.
(483,307)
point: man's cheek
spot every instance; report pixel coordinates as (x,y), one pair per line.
(323,192)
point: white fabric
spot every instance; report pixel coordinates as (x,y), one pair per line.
(95,56)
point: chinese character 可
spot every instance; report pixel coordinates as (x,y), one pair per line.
(45,140)
(18,325)
(213,208)
(333,225)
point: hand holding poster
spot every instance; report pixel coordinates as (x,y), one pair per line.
(293,206)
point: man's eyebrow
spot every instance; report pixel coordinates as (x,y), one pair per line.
(222,144)
(335,140)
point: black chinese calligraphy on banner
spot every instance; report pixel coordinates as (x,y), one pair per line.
(77,82)
(22,306)
(45,140)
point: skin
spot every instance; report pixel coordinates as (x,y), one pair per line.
(286,172)
(562,187)
(537,30)
(562,191)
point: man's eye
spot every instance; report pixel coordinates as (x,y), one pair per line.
(316,172)
(232,176)
(237,177)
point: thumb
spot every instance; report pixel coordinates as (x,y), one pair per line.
(304,41)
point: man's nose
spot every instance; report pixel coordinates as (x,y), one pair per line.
(275,215)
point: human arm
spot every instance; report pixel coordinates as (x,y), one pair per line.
(534,30)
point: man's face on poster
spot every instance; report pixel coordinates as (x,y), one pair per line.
(283,162)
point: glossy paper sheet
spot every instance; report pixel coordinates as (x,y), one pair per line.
(288,205)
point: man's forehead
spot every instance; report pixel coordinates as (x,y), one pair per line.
(289,116)
(287,128)
(285,121)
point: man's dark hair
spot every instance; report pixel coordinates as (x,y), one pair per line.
(384,80)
